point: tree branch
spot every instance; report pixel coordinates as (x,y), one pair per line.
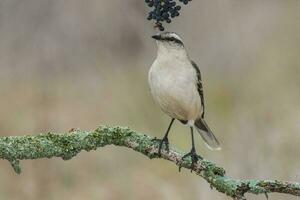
(68,145)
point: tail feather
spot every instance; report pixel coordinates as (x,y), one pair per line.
(207,135)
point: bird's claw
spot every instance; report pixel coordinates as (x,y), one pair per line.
(164,141)
(194,157)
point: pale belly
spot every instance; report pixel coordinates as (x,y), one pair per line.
(176,93)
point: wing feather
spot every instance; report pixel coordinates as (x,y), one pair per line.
(199,86)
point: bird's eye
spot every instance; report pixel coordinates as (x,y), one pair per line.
(173,39)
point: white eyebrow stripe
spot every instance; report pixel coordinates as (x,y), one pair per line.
(174,35)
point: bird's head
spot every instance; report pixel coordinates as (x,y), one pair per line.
(169,43)
(168,39)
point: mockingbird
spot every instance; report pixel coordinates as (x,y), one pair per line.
(176,86)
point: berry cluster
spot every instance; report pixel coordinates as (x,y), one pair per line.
(163,11)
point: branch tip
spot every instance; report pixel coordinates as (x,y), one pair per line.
(16,166)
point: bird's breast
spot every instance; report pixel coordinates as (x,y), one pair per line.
(173,87)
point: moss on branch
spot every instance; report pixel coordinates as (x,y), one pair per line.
(68,145)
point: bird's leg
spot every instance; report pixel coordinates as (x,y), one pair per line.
(192,153)
(165,139)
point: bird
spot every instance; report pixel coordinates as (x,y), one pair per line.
(176,86)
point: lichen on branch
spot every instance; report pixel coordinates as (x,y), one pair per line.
(68,145)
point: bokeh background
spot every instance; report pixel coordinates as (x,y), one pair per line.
(78,64)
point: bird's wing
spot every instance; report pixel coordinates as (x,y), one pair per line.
(199,86)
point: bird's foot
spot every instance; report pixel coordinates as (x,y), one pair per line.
(164,141)
(194,157)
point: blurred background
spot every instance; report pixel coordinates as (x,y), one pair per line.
(78,64)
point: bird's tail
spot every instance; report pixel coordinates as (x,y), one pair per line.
(207,135)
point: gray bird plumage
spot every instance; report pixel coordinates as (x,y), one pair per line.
(176,86)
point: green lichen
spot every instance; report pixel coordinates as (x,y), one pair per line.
(255,187)
(16,166)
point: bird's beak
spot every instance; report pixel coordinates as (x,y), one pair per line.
(156,37)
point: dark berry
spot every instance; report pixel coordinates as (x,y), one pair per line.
(161,28)
(163,10)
